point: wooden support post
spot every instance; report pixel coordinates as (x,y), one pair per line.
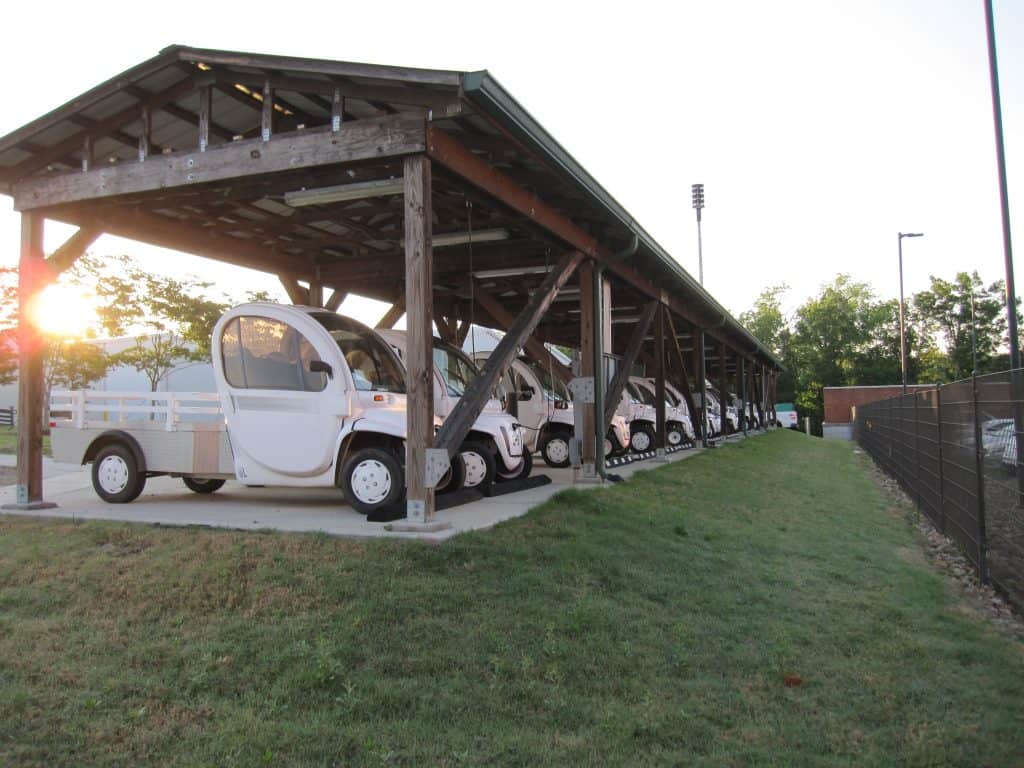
(205,109)
(296,293)
(636,340)
(267,113)
(586,365)
(334,300)
(742,371)
(723,386)
(702,385)
(144,134)
(533,346)
(337,109)
(394,314)
(33,276)
(659,380)
(87,153)
(471,404)
(684,377)
(419,292)
(316,294)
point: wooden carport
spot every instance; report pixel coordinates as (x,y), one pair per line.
(432,190)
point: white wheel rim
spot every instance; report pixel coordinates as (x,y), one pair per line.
(675,437)
(641,441)
(113,474)
(371,481)
(476,469)
(557,450)
(607,446)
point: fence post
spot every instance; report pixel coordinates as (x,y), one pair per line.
(979,465)
(916,454)
(938,432)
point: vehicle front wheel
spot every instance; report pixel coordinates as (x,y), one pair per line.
(554,449)
(523,470)
(203,484)
(115,475)
(455,478)
(372,479)
(481,468)
(642,438)
(675,436)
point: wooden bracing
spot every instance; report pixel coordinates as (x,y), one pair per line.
(636,341)
(471,404)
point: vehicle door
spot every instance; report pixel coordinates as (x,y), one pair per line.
(529,395)
(281,416)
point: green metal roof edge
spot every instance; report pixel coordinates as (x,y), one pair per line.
(485,91)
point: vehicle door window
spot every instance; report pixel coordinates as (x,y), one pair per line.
(261,353)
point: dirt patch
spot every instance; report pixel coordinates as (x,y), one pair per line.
(941,553)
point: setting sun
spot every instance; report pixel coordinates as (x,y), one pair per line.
(64,310)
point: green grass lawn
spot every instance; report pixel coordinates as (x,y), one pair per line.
(9,441)
(651,624)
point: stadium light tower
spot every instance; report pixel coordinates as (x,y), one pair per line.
(698,205)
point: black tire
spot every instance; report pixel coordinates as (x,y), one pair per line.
(372,478)
(675,435)
(558,442)
(477,476)
(642,438)
(115,474)
(616,450)
(203,484)
(523,470)
(455,478)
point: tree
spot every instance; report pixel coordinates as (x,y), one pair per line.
(945,312)
(155,355)
(765,320)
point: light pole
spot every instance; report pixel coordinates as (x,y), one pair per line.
(698,205)
(903,333)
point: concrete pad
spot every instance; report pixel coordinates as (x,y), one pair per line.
(166,501)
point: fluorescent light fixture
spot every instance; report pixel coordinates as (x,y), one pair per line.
(512,271)
(358,191)
(446,239)
(617,320)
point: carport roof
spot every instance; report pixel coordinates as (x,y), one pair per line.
(106,123)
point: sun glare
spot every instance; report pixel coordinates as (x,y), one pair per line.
(64,310)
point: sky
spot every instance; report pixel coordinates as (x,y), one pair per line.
(819,129)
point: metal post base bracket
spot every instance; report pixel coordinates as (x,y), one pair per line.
(28,506)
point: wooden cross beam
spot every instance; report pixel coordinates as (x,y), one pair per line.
(364,140)
(636,340)
(296,293)
(65,256)
(394,314)
(334,300)
(533,346)
(460,421)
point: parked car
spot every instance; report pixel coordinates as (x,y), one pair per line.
(543,405)
(305,398)
(493,449)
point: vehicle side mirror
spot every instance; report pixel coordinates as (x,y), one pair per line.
(526,392)
(319,366)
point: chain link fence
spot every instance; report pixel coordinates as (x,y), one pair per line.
(956,450)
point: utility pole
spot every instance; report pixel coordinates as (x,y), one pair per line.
(698,205)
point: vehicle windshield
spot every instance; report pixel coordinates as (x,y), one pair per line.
(373,364)
(641,393)
(670,398)
(554,389)
(455,367)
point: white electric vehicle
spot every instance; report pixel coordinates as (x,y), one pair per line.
(714,412)
(678,427)
(493,449)
(305,398)
(540,402)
